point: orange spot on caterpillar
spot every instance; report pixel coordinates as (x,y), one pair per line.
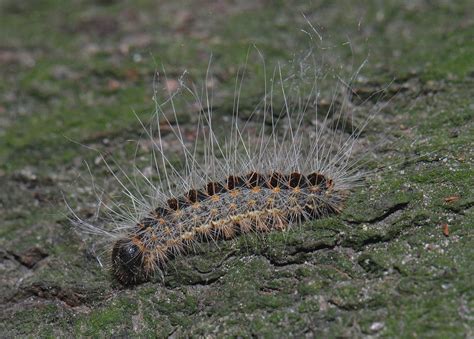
(174,245)
(178,214)
(244,224)
(137,242)
(204,229)
(252,202)
(234,193)
(225,228)
(270,202)
(256,189)
(188,236)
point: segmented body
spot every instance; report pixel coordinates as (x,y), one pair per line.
(253,202)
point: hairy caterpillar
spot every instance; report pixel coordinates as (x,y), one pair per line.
(296,164)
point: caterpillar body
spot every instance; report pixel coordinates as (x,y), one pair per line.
(240,204)
(295,165)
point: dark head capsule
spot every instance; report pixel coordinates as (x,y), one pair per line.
(127,262)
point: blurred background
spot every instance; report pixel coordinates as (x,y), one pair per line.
(79,68)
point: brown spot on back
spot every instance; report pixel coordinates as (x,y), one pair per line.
(173,204)
(235,182)
(192,195)
(255,179)
(295,179)
(215,188)
(316,179)
(161,212)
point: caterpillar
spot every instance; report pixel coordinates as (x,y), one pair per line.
(240,204)
(295,164)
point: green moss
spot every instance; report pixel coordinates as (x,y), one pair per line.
(115,318)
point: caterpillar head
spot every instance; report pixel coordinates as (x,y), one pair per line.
(127,263)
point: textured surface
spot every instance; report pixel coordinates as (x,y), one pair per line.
(397,262)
